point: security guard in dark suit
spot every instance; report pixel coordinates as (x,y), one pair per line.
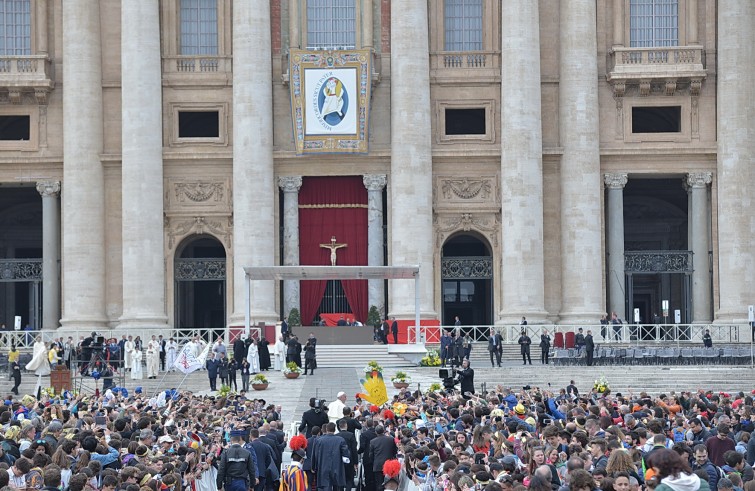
(237,470)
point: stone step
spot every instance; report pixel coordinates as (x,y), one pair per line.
(357,356)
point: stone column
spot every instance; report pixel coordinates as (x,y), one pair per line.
(255,192)
(692,22)
(697,183)
(521,165)
(615,244)
(290,186)
(581,190)
(41,29)
(294,25)
(50,191)
(375,184)
(367,27)
(83,199)
(618,22)
(736,146)
(142,166)
(411,189)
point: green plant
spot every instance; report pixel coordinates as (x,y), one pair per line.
(401,377)
(294,318)
(292,367)
(260,379)
(225,391)
(373,366)
(373,317)
(431,359)
(434,387)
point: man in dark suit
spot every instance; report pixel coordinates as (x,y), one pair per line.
(351,423)
(365,437)
(239,350)
(271,441)
(285,331)
(264,458)
(341,322)
(394,330)
(162,344)
(494,347)
(293,351)
(589,347)
(315,416)
(382,448)
(329,458)
(445,347)
(212,366)
(466,378)
(351,442)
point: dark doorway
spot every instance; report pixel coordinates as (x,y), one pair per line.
(467,276)
(200,274)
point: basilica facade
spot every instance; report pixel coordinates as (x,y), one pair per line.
(557,160)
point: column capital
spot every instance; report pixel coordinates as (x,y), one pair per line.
(698,179)
(290,184)
(49,189)
(374,182)
(615,181)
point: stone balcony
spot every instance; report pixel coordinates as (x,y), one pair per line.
(26,74)
(671,66)
(197,70)
(451,67)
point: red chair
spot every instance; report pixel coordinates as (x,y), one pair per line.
(558,340)
(570,339)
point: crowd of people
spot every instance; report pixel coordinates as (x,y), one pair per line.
(440,440)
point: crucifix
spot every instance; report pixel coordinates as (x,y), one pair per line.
(333,246)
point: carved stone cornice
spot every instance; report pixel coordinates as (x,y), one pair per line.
(466,189)
(488,224)
(290,184)
(615,181)
(374,182)
(199,191)
(48,189)
(179,227)
(698,179)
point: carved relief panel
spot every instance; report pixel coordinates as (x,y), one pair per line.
(212,195)
(479,192)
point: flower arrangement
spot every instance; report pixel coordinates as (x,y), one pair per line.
(259,379)
(225,391)
(431,359)
(401,377)
(601,386)
(434,387)
(292,367)
(373,366)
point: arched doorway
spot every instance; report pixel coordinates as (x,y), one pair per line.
(467,276)
(200,286)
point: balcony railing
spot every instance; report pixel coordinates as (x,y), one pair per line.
(464,64)
(31,73)
(188,68)
(657,62)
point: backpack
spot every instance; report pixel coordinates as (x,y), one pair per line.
(678,434)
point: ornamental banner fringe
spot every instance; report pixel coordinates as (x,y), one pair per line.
(330,100)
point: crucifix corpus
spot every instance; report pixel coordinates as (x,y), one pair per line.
(333,246)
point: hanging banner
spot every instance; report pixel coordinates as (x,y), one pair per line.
(330,100)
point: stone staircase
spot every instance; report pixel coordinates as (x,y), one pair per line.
(357,356)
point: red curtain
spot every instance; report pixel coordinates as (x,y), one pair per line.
(333,207)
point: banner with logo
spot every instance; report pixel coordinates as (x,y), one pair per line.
(330,100)
(186,362)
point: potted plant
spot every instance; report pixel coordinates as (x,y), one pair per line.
(294,318)
(260,382)
(401,380)
(372,366)
(292,370)
(432,359)
(373,317)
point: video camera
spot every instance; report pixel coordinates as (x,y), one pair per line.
(448,376)
(317,404)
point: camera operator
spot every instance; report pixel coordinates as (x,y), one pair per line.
(316,416)
(465,377)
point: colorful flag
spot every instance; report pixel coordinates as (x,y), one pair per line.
(186,362)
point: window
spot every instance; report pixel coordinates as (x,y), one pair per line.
(331,23)
(199,27)
(15,128)
(198,124)
(15,27)
(465,121)
(463,25)
(656,119)
(653,23)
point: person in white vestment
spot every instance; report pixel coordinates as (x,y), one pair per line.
(153,358)
(136,364)
(172,354)
(39,363)
(280,354)
(253,357)
(128,348)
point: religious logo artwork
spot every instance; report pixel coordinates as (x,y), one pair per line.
(330,95)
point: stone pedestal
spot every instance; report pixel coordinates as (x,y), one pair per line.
(521,165)
(697,184)
(83,199)
(50,191)
(582,299)
(411,190)
(736,147)
(615,243)
(375,184)
(254,192)
(142,166)
(290,186)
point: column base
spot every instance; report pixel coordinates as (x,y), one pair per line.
(431,315)
(255,317)
(514,317)
(142,322)
(84,323)
(731,317)
(581,318)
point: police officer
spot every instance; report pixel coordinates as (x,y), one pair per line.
(237,470)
